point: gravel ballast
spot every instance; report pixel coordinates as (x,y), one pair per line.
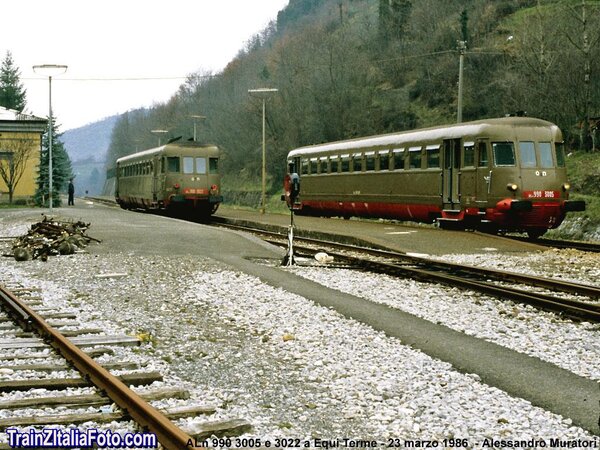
(297,370)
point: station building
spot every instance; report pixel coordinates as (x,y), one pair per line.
(20,150)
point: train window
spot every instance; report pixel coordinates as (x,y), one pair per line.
(545,155)
(482,154)
(469,154)
(560,154)
(504,153)
(384,160)
(201,165)
(323,164)
(334,163)
(345,163)
(357,162)
(313,165)
(213,165)
(527,150)
(370,161)
(414,158)
(399,158)
(173,163)
(304,165)
(433,156)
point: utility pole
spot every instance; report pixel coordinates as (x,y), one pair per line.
(462,48)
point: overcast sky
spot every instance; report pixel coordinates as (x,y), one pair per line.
(108,45)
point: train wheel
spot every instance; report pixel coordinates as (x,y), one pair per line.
(535,233)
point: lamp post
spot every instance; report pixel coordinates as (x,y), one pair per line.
(199,118)
(159,132)
(462,48)
(263,93)
(50,70)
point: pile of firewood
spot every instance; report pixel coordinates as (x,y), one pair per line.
(51,237)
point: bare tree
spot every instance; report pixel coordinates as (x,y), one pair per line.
(14,155)
(585,44)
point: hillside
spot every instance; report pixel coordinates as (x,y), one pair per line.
(90,142)
(87,147)
(348,68)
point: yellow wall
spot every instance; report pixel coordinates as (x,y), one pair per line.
(27,184)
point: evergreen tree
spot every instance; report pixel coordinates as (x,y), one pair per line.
(12,92)
(61,169)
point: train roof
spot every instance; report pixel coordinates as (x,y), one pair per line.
(437,133)
(163,148)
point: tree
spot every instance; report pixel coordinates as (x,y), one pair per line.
(13,160)
(61,169)
(12,93)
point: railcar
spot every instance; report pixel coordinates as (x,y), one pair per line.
(503,174)
(178,177)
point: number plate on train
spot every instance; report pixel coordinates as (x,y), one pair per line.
(541,194)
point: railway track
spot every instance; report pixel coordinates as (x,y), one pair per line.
(559,243)
(47,358)
(488,281)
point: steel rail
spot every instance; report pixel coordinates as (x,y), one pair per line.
(572,308)
(506,276)
(446,273)
(149,418)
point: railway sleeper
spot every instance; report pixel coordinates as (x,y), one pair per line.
(101,417)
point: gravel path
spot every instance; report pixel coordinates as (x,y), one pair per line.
(294,369)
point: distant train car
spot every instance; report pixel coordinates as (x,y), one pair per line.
(505,174)
(180,176)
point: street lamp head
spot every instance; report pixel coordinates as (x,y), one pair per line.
(262,92)
(50,69)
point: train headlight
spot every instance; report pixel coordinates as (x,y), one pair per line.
(214,189)
(176,186)
(566,187)
(512,187)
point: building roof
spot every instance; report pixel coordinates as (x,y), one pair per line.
(11,120)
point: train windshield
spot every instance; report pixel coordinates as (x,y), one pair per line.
(504,153)
(546,155)
(201,165)
(188,164)
(527,150)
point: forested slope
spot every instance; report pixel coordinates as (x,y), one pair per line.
(348,68)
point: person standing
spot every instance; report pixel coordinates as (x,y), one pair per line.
(71,192)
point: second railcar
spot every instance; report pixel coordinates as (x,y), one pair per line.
(180,176)
(498,174)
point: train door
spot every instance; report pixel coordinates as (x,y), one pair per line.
(451,174)
(157,169)
(484,173)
